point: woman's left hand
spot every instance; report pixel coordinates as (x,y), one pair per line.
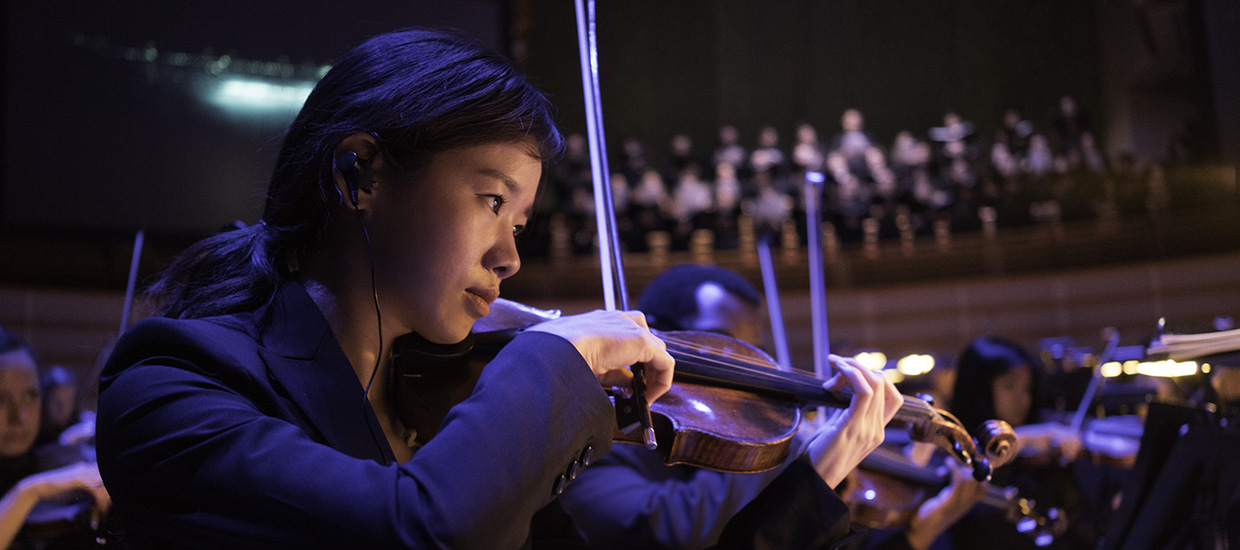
(846,436)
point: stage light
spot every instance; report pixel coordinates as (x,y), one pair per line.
(893,375)
(1168,368)
(915,365)
(873,360)
(1111,369)
(256,95)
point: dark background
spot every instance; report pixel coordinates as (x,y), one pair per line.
(672,67)
(98,142)
(95,141)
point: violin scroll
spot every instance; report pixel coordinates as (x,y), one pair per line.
(999,440)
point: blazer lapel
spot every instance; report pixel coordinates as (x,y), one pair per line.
(303,356)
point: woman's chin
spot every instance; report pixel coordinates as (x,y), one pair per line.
(449,333)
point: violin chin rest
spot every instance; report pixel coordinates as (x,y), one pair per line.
(414,355)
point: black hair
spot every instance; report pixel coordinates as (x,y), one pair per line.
(10,341)
(56,376)
(419,92)
(672,295)
(979,364)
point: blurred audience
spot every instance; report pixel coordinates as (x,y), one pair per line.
(945,179)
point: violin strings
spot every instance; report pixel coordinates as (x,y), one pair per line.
(712,361)
(721,362)
(757,365)
(737,362)
(712,368)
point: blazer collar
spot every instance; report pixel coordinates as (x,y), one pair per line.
(302,354)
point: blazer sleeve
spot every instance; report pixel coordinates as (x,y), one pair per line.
(195,459)
(631,499)
(796,511)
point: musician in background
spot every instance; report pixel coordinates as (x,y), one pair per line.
(72,494)
(997,378)
(64,421)
(631,499)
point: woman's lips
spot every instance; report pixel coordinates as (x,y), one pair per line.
(482,298)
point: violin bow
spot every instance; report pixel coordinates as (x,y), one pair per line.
(778,334)
(817,276)
(610,264)
(1096,380)
(134,260)
(91,384)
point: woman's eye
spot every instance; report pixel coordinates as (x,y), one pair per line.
(496,202)
(517,229)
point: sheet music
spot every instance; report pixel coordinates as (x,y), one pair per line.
(1190,346)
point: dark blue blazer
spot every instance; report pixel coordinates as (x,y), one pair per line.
(251,431)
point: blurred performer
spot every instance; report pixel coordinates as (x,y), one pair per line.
(997,378)
(51,500)
(64,420)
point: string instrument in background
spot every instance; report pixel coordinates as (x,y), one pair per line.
(67,521)
(887,489)
(1110,441)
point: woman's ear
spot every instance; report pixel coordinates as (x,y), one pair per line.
(352,168)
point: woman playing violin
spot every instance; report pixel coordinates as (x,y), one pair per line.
(261,409)
(997,378)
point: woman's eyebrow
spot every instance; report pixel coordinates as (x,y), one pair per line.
(509,183)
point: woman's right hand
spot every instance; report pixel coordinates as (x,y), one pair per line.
(939,512)
(1049,439)
(610,342)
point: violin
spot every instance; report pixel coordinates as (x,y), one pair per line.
(721,382)
(69,520)
(1112,441)
(729,408)
(887,489)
